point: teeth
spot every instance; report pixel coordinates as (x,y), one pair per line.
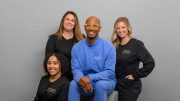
(51,70)
(91,32)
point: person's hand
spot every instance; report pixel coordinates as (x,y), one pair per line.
(88,88)
(129,77)
(85,84)
(83,81)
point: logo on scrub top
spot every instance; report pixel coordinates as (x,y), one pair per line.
(126,52)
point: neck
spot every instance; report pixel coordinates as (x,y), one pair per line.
(68,34)
(54,77)
(125,40)
(91,41)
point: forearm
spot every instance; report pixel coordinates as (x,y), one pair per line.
(104,75)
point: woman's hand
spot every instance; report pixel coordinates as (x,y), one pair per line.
(129,77)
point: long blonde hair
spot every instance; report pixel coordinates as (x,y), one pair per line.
(77,32)
(115,39)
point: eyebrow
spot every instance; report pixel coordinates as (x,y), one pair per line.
(92,24)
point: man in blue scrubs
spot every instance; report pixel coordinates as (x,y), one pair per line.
(93,65)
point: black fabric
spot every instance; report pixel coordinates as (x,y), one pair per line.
(128,59)
(129,97)
(52,91)
(63,46)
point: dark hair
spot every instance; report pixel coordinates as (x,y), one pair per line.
(61,58)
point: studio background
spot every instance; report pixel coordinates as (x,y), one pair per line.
(26,24)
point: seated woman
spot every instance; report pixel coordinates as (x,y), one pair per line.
(54,86)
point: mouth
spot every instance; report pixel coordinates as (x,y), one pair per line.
(120,33)
(91,33)
(51,71)
(69,25)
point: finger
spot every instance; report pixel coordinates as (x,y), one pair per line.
(127,77)
(85,89)
(91,88)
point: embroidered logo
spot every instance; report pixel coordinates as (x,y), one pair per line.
(126,52)
(51,90)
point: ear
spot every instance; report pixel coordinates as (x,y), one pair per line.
(100,28)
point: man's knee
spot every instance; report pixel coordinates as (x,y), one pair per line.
(100,85)
(73,84)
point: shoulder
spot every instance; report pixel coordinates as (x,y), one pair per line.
(52,36)
(45,77)
(80,43)
(107,43)
(137,42)
(65,80)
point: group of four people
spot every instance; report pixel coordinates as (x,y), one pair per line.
(90,65)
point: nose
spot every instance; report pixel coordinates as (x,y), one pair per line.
(91,27)
(51,65)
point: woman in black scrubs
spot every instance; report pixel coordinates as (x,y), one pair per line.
(130,52)
(63,40)
(54,86)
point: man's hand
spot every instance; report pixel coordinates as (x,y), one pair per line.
(88,88)
(84,80)
(85,84)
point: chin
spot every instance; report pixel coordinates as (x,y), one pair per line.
(52,74)
(91,37)
(122,36)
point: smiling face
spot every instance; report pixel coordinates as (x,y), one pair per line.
(122,30)
(92,28)
(53,66)
(69,22)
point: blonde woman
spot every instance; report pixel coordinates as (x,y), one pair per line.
(129,53)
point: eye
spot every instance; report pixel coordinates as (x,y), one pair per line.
(95,26)
(87,25)
(55,63)
(117,28)
(48,63)
(72,20)
(67,19)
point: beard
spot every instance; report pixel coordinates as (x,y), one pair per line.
(91,38)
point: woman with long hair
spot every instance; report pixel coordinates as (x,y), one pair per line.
(64,39)
(129,53)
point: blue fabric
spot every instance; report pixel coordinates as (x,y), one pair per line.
(102,88)
(97,61)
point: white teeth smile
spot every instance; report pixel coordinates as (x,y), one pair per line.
(52,70)
(91,32)
(121,33)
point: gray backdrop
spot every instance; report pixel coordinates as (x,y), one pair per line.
(26,24)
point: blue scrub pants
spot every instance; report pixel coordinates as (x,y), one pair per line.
(101,89)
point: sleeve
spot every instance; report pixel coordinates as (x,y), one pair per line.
(109,68)
(37,94)
(51,45)
(145,57)
(63,95)
(76,68)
